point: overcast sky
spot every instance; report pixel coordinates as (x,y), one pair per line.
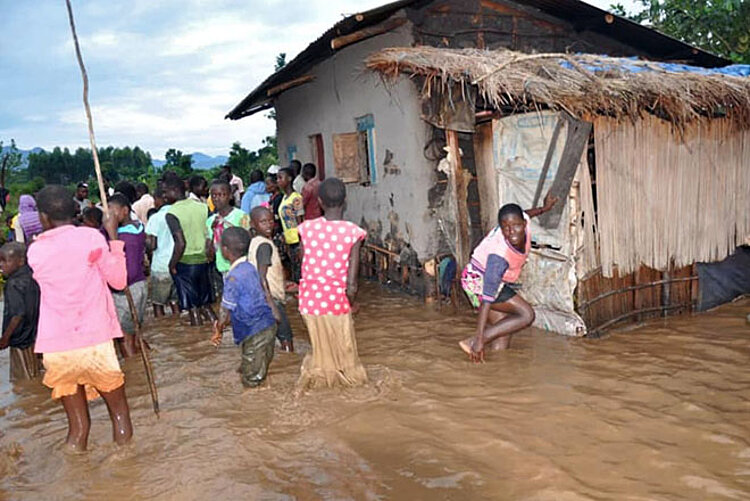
(163,73)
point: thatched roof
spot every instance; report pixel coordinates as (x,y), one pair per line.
(582,85)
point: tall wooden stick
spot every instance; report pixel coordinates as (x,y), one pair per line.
(85,76)
(103,196)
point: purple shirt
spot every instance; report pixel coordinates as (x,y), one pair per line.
(133,235)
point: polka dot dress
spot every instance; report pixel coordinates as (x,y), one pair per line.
(327,244)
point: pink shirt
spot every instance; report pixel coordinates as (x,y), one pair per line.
(74,268)
(327,244)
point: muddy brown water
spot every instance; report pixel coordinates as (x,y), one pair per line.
(657,412)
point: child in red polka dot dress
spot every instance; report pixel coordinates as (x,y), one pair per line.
(328,287)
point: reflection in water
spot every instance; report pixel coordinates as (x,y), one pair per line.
(656,412)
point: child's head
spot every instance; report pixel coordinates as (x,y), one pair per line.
(272,185)
(235,242)
(92,217)
(512,224)
(256,175)
(159,200)
(56,206)
(332,193)
(174,188)
(309,171)
(119,207)
(198,186)
(296,167)
(221,194)
(262,221)
(141,189)
(285,177)
(127,189)
(82,191)
(12,257)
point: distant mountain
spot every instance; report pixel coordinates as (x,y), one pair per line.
(24,153)
(201,161)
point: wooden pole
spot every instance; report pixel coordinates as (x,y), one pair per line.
(103,197)
(459,188)
(84,75)
(343,41)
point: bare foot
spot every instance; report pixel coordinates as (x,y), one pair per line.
(466,345)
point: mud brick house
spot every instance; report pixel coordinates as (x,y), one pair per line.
(436,112)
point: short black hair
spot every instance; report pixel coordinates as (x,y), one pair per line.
(119,199)
(151,212)
(295,165)
(221,182)
(332,192)
(159,192)
(256,212)
(94,214)
(272,177)
(236,239)
(127,189)
(288,171)
(309,169)
(82,185)
(509,210)
(173,182)
(141,187)
(57,202)
(196,181)
(14,250)
(256,175)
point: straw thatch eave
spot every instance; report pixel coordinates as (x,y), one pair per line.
(507,79)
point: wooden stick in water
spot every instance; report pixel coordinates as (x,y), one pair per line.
(103,197)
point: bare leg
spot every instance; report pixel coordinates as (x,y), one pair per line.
(175,308)
(501,343)
(158,310)
(195,317)
(494,317)
(208,312)
(518,315)
(128,346)
(79,421)
(119,413)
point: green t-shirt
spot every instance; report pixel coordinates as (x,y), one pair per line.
(215,226)
(192,217)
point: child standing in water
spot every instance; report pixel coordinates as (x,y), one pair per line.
(21,312)
(225,217)
(328,287)
(495,263)
(132,233)
(264,255)
(76,330)
(248,307)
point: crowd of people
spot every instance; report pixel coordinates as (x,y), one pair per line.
(183,247)
(191,245)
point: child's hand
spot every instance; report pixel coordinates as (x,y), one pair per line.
(549,201)
(477,350)
(4,343)
(217,335)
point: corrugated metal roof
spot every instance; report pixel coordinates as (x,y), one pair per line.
(582,16)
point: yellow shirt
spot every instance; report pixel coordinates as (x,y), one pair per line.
(289,209)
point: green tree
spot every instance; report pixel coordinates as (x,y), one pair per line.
(178,162)
(10,160)
(718,26)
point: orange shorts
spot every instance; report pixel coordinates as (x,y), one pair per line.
(94,367)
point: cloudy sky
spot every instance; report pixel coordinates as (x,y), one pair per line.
(163,73)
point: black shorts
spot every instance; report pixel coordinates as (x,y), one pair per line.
(506,294)
(193,285)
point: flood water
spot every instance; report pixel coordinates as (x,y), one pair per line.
(657,412)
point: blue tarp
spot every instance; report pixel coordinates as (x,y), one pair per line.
(735,70)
